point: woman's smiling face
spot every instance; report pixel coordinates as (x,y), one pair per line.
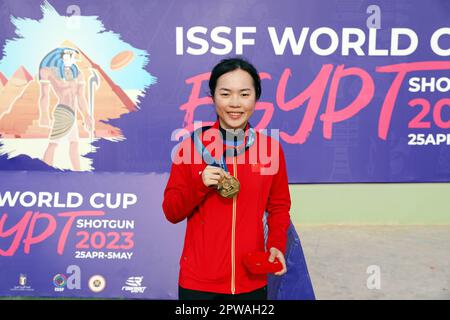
(235,99)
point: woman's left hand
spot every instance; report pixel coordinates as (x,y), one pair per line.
(275,253)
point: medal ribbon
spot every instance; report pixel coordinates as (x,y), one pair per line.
(206,155)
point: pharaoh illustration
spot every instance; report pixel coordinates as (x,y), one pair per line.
(58,102)
(58,71)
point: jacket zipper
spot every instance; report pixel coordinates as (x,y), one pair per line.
(233,236)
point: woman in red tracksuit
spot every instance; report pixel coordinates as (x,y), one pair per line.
(249,170)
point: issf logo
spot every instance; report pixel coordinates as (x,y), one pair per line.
(60,281)
(71,280)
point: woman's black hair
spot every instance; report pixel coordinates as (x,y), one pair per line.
(227,65)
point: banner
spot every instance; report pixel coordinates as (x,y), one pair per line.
(101,235)
(357,93)
(95,96)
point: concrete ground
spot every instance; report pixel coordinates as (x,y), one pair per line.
(396,262)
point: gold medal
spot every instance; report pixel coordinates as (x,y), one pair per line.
(228,187)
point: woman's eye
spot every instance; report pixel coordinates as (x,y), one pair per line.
(224,94)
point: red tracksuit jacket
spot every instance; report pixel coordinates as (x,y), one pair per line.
(220,231)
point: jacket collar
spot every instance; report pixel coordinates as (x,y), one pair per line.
(229,136)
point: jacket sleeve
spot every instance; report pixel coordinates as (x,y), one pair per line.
(278,206)
(184,192)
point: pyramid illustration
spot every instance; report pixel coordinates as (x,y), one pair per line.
(13,89)
(3,80)
(19,103)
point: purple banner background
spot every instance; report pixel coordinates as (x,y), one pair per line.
(354,154)
(153,259)
(141,163)
(157,243)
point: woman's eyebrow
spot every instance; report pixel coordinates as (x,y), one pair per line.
(226,89)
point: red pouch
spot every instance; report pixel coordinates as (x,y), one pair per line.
(258,263)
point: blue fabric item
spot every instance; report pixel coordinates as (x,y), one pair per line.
(296,283)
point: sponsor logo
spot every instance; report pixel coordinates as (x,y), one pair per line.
(22,281)
(97,283)
(70,280)
(134,285)
(60,280)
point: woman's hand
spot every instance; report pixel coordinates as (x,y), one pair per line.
(275,253)
(212,175)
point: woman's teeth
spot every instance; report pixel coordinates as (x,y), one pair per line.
(235,115)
